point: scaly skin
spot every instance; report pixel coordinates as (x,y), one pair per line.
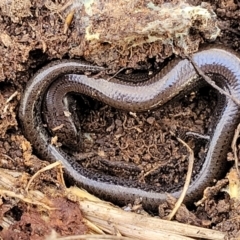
(67,76)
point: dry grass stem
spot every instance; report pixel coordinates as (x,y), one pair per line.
(187,181)
(105,218)
(48,167)
(139,226)
(234,147)
(211,82)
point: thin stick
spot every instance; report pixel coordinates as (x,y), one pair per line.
(23,198)
(234,147)
(109,218)
(211,82)
(12,96)
(48,167)
(138,226)
(187,181)
(120,70)
(91,237)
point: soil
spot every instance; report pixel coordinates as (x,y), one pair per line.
(114,142)
(140,147)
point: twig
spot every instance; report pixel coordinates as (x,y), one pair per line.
(108,217)
(198,135)
(68,21)
(93,227)
(137,226)
(90,237)
(8,100)
(233,184)
(211,82)
(84,156)
(48,167)
(23,198)
(12,96)
(234,147)
(116,74)
(187,181)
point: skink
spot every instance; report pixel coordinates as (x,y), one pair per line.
(68,76)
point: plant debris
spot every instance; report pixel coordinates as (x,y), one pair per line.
(32,33)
